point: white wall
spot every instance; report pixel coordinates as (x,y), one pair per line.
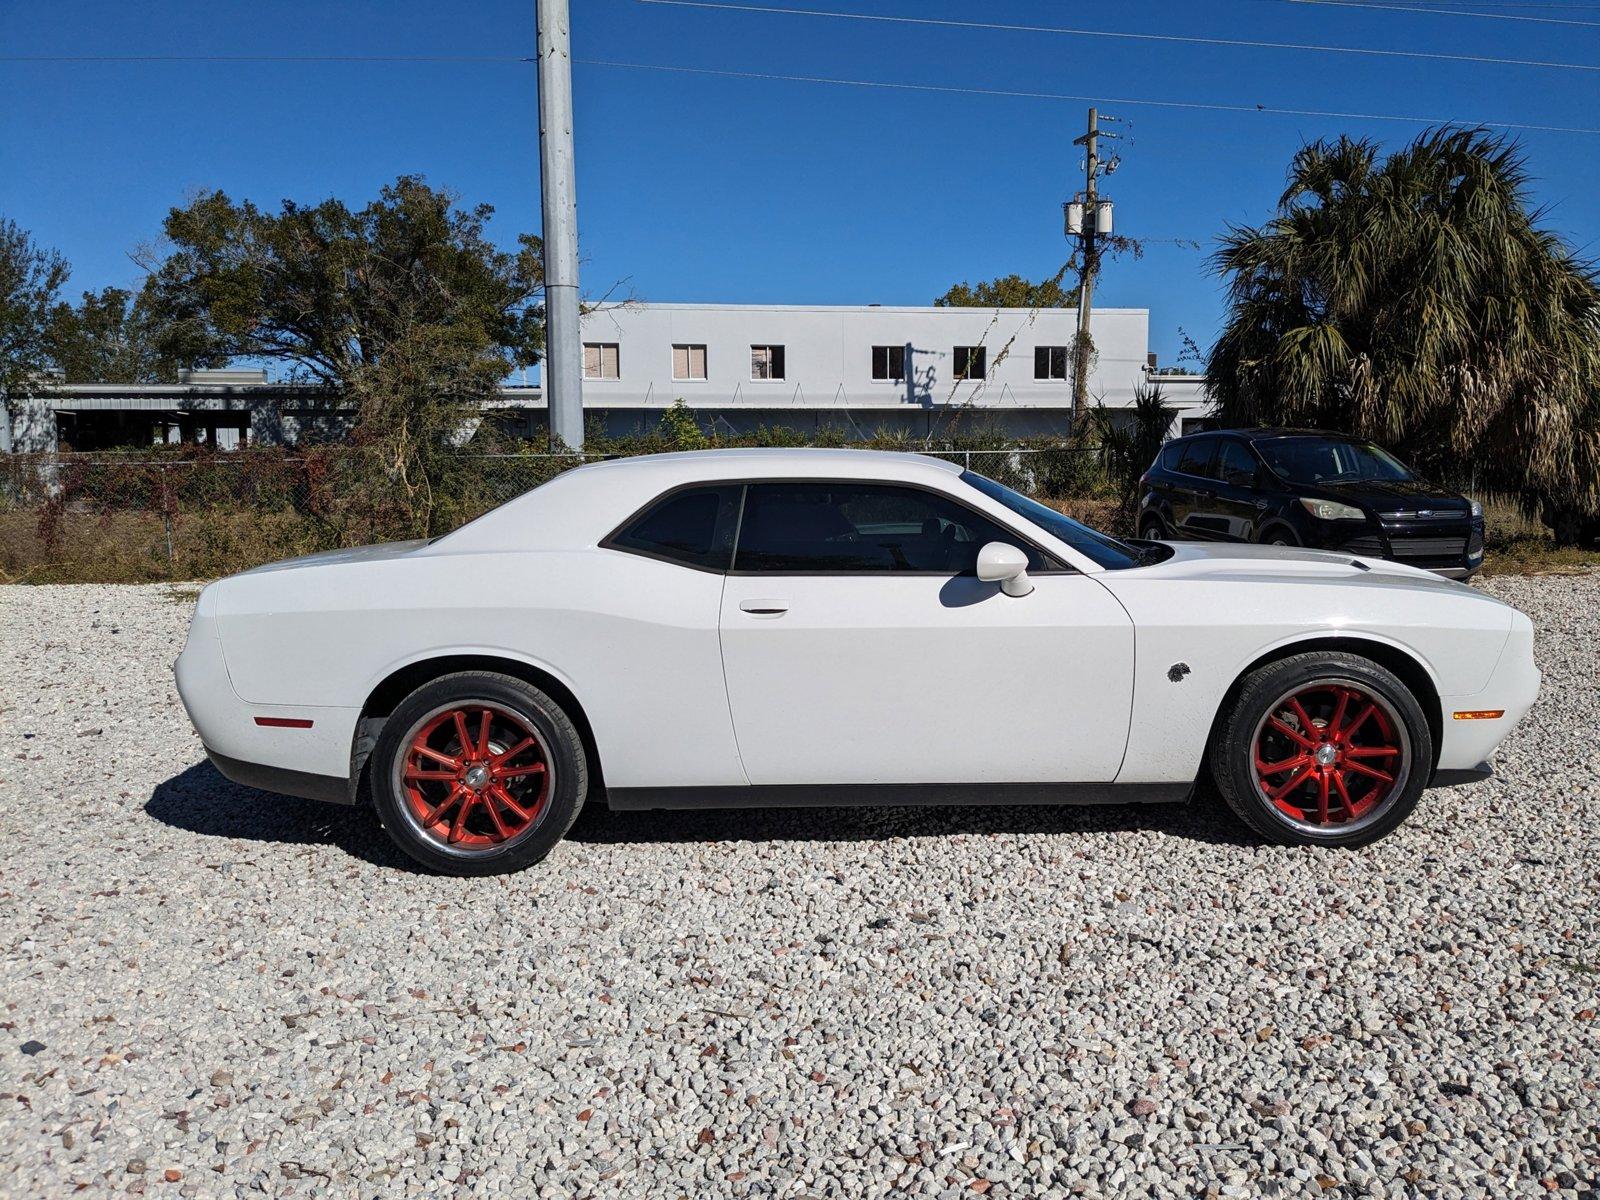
(828,352)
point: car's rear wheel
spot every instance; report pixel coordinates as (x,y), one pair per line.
(1152,528)
(1323,749)
(478,773)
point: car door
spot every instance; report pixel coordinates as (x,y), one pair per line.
(1193,490)
(859,647)
(1236,504)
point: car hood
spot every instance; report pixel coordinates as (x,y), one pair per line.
(1388,494)
(1241,562)
(329,558)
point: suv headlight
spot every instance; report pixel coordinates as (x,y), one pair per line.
(1331,510)
(1477,509)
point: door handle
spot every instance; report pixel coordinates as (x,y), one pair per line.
(764,608)
(1205,493)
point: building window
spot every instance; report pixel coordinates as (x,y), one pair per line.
(766,362)
(971,362)
(889,362)
(1049,362)
(688,362)
(600,360)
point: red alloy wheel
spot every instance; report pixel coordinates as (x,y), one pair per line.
(476,776)
(1330,755)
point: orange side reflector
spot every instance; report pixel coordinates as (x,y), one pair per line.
(1484,714)
(284,722)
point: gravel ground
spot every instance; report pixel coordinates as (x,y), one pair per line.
(209,991)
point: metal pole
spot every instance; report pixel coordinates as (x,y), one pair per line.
(563,365)
(1080,370)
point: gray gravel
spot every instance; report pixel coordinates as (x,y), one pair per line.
(209,991)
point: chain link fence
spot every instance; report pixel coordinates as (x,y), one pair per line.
(195,514)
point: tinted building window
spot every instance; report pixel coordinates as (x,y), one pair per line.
(889,362)
(858,527)
(693,527)
(1049,362)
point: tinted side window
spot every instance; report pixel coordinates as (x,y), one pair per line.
(1196,457)
(863,527)
(693,527)
(1235,464)
(1170,455)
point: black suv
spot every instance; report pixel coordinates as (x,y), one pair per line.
(1299,487)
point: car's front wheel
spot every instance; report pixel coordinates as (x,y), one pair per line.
(478,773)
(1324,749)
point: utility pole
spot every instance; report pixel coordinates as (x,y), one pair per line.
(563,364)
(1088,217)
(1090,141)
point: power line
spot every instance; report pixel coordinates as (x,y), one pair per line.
(1426,5)
(1022,95)
(1124,35)
(1445,12)
(264,58)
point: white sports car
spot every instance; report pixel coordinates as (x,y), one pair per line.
(795,627)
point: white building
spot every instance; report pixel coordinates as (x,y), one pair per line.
(859,369)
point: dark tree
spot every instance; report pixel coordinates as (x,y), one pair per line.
(1009,291)
(1416,300)
(330,291)
(113,336)
(30,279)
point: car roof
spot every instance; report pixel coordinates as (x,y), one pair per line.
(581,506)
(693,465)
(1262,434)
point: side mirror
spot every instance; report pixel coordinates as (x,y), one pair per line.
(1005,565)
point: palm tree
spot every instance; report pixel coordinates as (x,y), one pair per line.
(1416,301)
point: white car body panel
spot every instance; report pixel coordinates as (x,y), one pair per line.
(924,680)
(862,680)
(1251,601)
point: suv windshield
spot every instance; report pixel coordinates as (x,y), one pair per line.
(1106,551)
(1315,460)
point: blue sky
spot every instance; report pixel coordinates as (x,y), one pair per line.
(699,188)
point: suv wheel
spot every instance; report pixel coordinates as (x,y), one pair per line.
(1152,528)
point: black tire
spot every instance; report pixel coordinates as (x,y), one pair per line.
(1152,528)
(1397,719)
(1278,535)
(524,710)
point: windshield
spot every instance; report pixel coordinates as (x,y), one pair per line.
(1106,551)
(1315,460)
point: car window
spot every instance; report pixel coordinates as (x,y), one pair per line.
(1196,457)
(1331,460)
(849,527)
(1235,464)
(693,527)
(1107,551)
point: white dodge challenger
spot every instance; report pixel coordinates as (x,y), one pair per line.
(796,627)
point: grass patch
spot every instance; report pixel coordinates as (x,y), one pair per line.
(1515,544)
(132,547)
(1537,556)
